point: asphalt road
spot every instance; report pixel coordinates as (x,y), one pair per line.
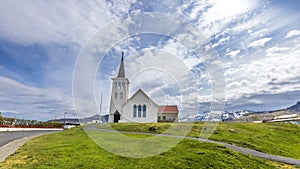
(9,136)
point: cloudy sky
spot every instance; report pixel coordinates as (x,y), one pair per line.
(256,43)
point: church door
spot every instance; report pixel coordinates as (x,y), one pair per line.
(116,117)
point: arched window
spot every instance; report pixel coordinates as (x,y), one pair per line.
(116,95)
(121,95)
(139,111)
(134,111)
(123,85)
(144,110)
(119,85)
(115,85)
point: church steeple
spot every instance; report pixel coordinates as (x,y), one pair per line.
(121,73)
(119,94)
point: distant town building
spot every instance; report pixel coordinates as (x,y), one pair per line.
(139,107)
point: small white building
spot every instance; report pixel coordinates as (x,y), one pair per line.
(139,107)
(167,113)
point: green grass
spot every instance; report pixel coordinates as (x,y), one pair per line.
(274,138)
(73,149)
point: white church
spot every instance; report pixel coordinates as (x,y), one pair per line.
(139,107)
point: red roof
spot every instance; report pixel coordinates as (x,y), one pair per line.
(167,109)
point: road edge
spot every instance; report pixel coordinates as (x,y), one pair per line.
(9,148)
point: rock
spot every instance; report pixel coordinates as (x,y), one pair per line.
(233,131)
(152,128)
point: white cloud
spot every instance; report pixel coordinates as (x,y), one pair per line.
(67,22)
(56,21)
(221,41)
(260,42)
(199,7)
(232,53)
(273,51)
(249,24)
(277,73)
(221,13)
(259,33)
(32,102)
(224,10)
(292,33)
(191,62)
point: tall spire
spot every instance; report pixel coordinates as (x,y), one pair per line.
(121,73)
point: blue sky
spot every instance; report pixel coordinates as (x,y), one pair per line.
(40,41)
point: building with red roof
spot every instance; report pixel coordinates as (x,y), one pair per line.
(167,113)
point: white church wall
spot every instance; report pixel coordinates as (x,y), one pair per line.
(140,99)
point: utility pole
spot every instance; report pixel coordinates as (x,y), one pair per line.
(100,108)
(65,118)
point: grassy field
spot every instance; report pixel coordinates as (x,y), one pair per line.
(274,138)
(73,149)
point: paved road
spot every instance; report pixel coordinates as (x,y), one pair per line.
(10,141)
(8,136)
(242,150)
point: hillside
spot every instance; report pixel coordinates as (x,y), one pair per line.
(295,107)
(274,138)
(73,149)
(267,115)
(260,116)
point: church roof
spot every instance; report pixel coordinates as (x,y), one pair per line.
(139,91)
(168,109)
(121,73)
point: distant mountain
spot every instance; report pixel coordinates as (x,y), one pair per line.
(295,107)
(223,116)
(267,115)
(244,115)
(104,118)
(67,120)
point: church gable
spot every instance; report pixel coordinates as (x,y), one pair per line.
(139,96)
(140,108)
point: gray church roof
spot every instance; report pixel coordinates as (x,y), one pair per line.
(121,73)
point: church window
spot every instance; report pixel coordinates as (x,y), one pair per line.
(144,111)
(119,85)
(139,111)
(134,111)
(123,85)
(116,95)
(115,85)
(121,95)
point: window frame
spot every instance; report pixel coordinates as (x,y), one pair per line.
(144,110)
(139,111)
(134,110)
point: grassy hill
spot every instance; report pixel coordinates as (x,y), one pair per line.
(274,138)
(73,149)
